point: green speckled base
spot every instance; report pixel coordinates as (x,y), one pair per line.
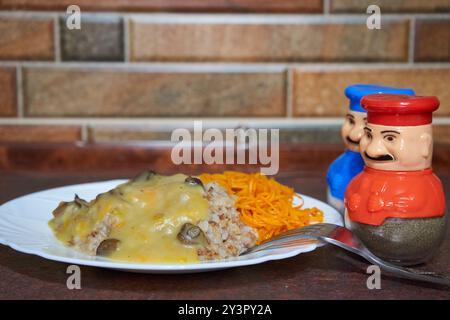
(403,241)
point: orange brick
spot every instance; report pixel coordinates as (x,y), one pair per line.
(432,41)
(8,92)
(400,6)
(25,39)
(39,133)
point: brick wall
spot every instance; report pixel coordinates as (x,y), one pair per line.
(137,69)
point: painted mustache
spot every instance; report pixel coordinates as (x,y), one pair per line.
(384,157)
(352,141)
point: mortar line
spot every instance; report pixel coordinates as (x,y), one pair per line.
(84,132)
(126,37)
(412,40)
(225,17)
(187,122)
(221,67)
(269,19)
(19,92)
(172,122)
(326,7)
(57,38)
(290,92)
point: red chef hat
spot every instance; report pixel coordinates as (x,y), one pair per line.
(399,109)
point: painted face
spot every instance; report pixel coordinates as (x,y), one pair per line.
(353,129)
(397,148)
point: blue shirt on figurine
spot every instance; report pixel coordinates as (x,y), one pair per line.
(350,163)
(342,170)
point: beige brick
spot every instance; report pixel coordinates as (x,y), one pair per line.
(53,92)
(321,93)
(131,133)
(268,42)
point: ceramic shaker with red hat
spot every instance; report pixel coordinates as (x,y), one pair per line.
(397,204)
(350,163)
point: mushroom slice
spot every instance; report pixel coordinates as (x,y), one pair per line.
(107,247)
(191,234)
(61,208)
(80,202)
(194,181)
(144,176)
(74,205)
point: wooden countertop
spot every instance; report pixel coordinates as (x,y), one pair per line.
(326,273)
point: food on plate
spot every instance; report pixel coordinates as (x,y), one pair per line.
(155,219)
(179,218)
(264,204)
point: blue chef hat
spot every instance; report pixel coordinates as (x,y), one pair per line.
(357,91)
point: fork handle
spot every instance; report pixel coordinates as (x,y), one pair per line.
(402,272)
(409,273)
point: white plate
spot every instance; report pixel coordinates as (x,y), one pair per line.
(23,227)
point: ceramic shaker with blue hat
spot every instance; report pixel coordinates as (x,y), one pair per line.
(350,163)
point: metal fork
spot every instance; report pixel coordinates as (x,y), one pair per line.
(344,238)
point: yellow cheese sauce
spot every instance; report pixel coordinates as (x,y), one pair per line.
(147,216)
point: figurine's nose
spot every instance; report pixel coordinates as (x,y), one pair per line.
(376,148)
(356,133)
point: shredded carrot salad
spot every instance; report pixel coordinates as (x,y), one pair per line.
(264,203)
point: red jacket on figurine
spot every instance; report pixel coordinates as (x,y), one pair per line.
(397,148)
(375,195)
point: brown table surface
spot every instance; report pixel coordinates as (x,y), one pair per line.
(325,273)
